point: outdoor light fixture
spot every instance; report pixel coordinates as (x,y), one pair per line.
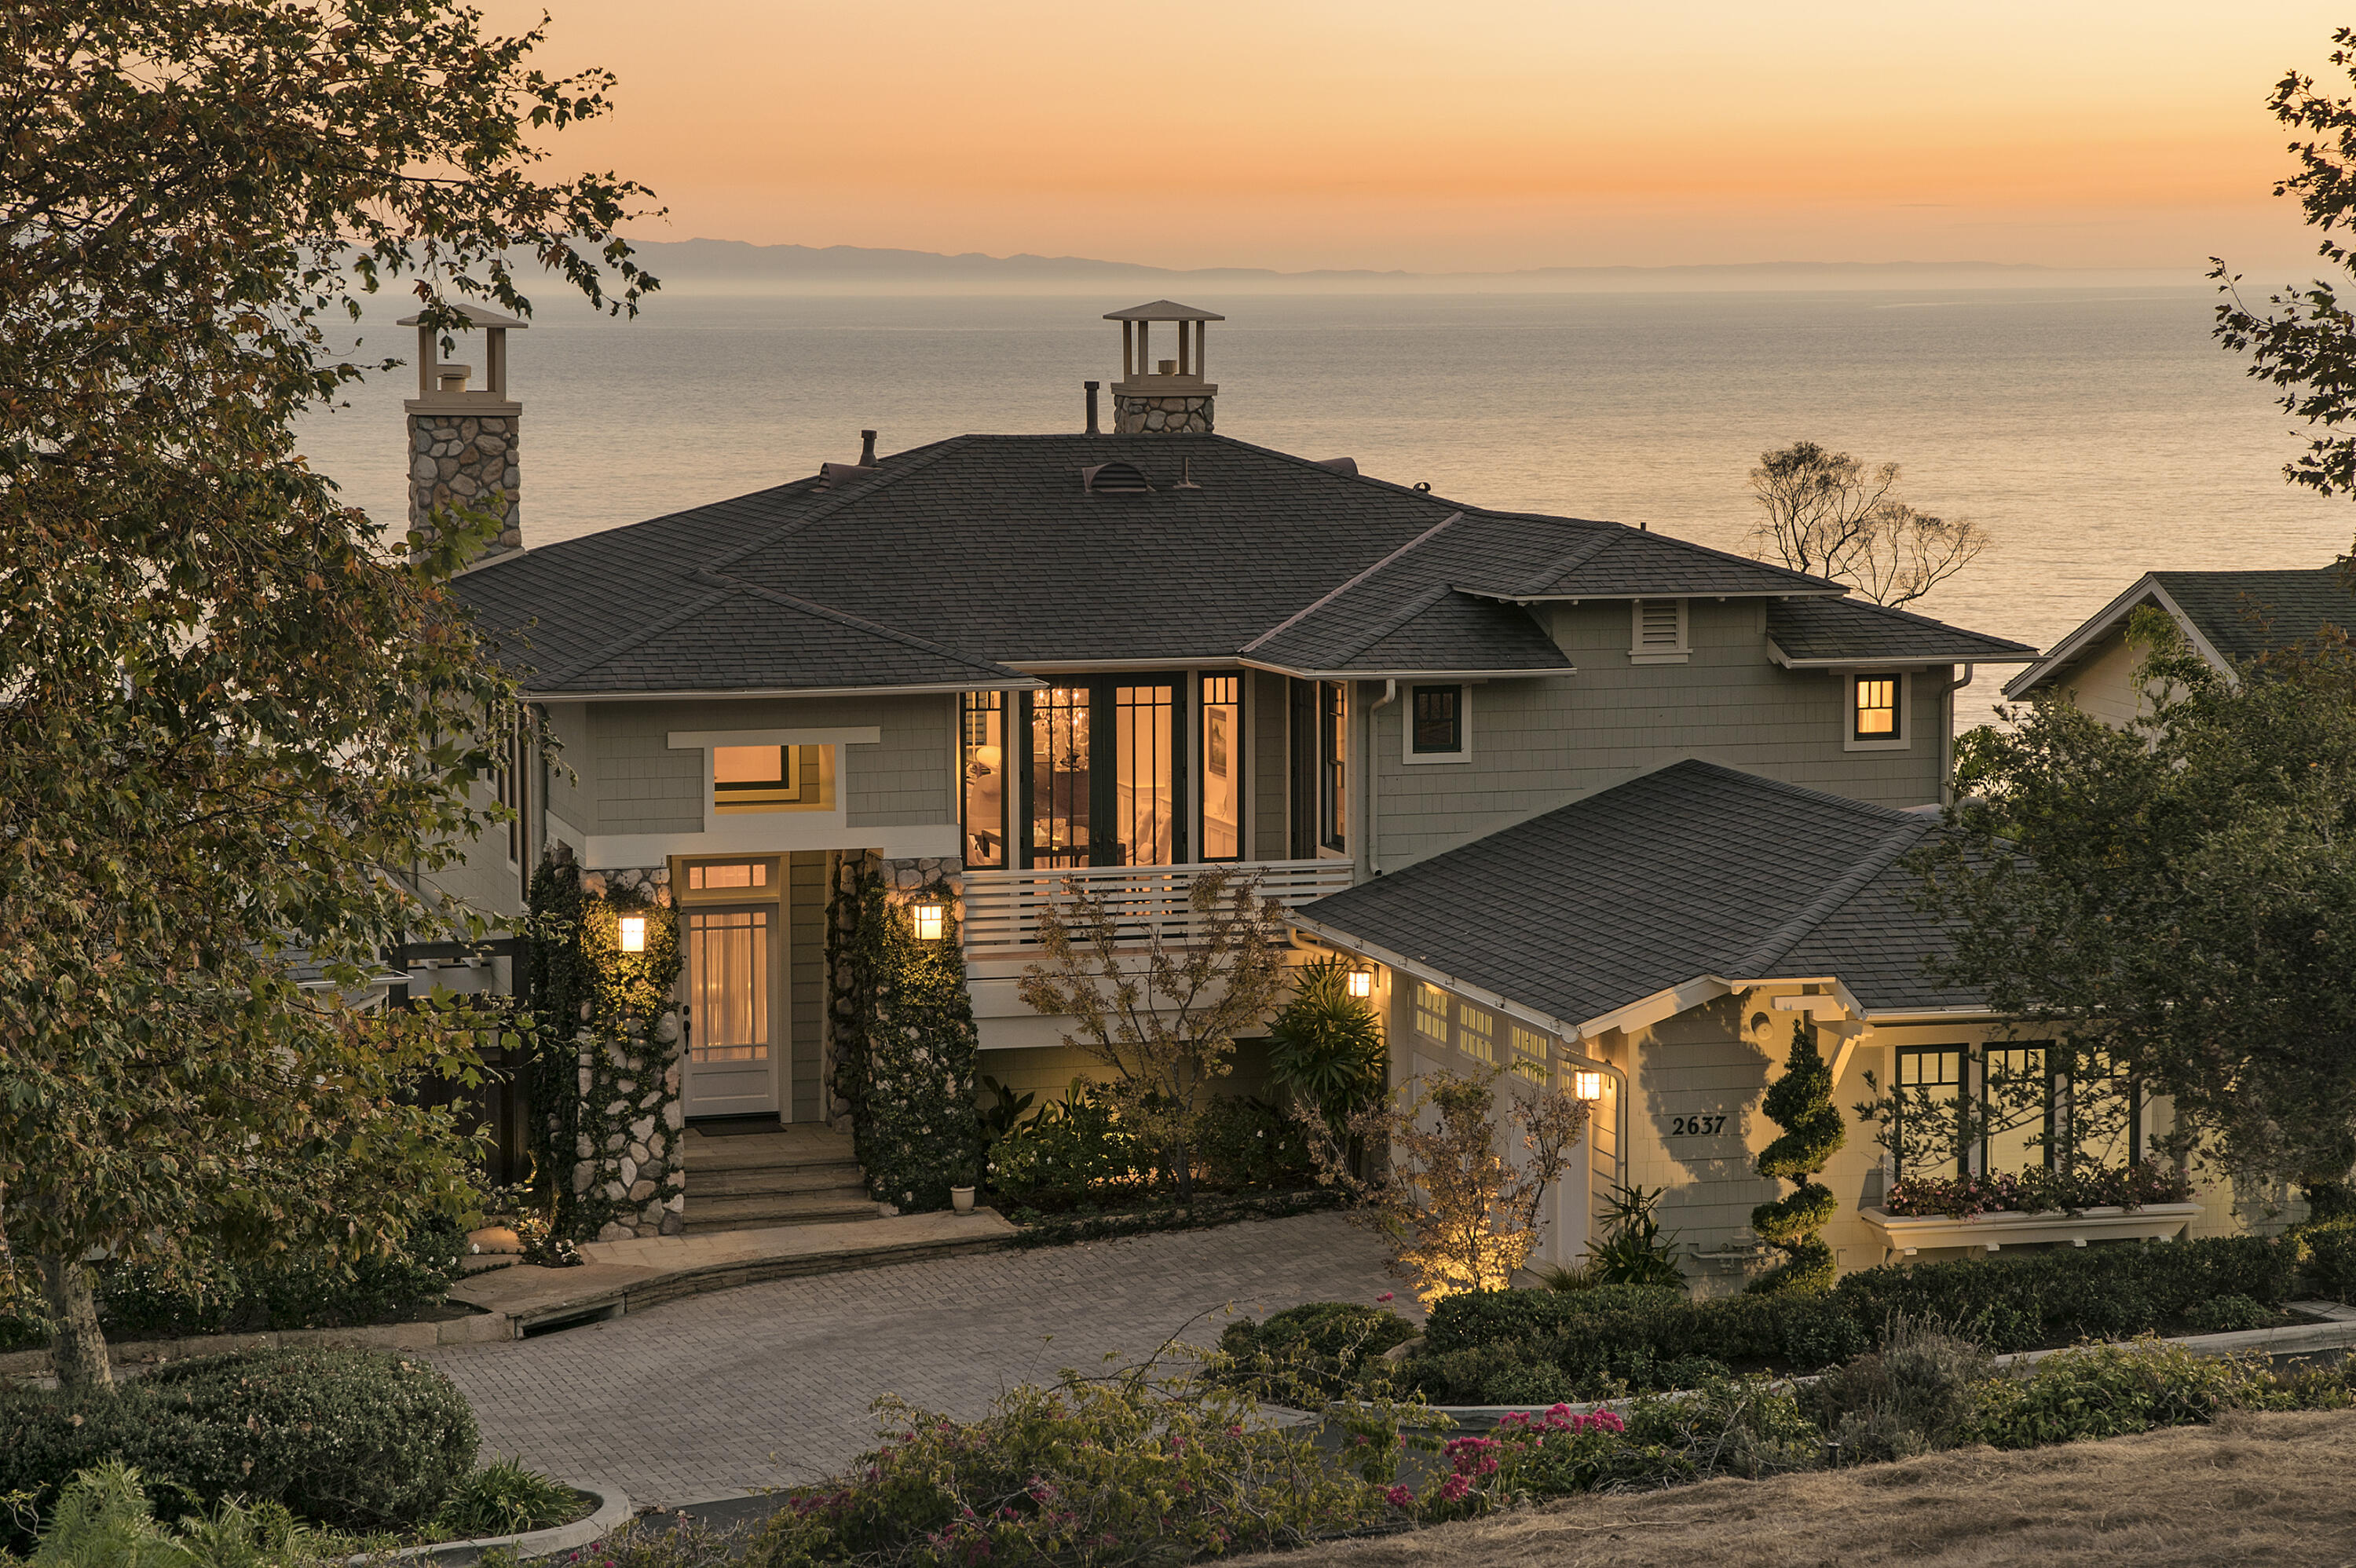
(1362,982)
(634,933)
(1587,1086)
(932,922)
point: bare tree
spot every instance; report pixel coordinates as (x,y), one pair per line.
(1829,515)
(1162,1016)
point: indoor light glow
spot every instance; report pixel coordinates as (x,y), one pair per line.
(932,922)
(634,933)
(1362,982)
(1587,1086)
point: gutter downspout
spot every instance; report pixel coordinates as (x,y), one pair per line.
(1947,740)
(1374,767)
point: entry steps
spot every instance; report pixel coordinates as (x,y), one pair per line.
(788,1175)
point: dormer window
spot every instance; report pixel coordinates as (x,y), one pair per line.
(1877,711)
(1658,635)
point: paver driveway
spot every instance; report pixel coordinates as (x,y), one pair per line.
(715,1395)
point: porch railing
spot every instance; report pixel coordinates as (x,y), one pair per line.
(1001,908)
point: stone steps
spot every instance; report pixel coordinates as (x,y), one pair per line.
(792,1176)
(758,1211)
(834,1177)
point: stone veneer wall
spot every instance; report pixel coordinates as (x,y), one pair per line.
(465,460)
(631,1160)
(903,879)
(1161,416)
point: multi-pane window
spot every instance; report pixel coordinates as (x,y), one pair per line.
(2010,1108)
(983,754)
(1929,1091)
(728,958)
(726,875)
(1476,1034)
(1061,748)
(1437,720)
(1145,736)
(1530,1054)
(1430,1012)
(1874,708)
(1332,759)
(2016,1106)
(509,783)
(1223,767)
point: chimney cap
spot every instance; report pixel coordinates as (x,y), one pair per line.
(1163,310)
(475,313)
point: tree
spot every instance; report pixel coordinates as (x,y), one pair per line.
(1162,1020)
(236,719)
(1827,514)
(2305,340)
(1326,1047)
(1801,1102)
(2175,901)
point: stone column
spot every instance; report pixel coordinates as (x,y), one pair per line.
(466,456)
(1164,415)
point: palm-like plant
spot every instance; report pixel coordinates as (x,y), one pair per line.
(1325,1048)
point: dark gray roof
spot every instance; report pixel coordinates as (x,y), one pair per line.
(1845,630)
(985,551)
(2246,614)
(1695,870)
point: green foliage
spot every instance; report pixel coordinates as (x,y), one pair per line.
(2328,1249)
(1305,1355)
(231,703)
(504,1499)
(1088,1224)
(1918,1393)
(2229,1314)
(904,1041)
(1634,1249)
(1325,1049)
(2109,1390)
(1801,1102)
(1243,1143)
(103,1520)
(1073,1151)
(353,1440)
(2038,1190)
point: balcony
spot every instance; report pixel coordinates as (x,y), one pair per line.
(1003,907)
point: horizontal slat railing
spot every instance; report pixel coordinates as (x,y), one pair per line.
(1003,907)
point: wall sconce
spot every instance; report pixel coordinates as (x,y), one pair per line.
(932,922)
(634,933)
(1362,982)
(1587,1086)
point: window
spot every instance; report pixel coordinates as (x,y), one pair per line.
(726,875)
(2011,1108)
(1430,1012)
(1929,1091)
(509,783)
(1104,780)
(1333,764)
(983,755)
(2016,1130)
(728,958)
(771,778)
(1658,634)
(1223,767)
(1877,710)
(1435,727)
(1476,1034)
(1530,1054)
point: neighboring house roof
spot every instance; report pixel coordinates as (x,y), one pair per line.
(975,560)
(1692,873)
(1829,632)
(2228,616)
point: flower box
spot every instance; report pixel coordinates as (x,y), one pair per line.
(1909,1234)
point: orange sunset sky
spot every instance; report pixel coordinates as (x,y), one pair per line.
(1301,133)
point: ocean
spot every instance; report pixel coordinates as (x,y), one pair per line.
(2095,433)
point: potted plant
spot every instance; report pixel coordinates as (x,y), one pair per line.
(961,1189)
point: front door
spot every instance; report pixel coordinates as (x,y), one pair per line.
(1105,781)
(732,1058)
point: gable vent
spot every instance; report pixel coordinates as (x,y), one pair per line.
(1659,634)
(1114,479)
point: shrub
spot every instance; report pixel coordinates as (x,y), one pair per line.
(1243,1143)
(1918,1393)
(1634,1249)
(350,1439)
(1073,1150)
(2327,1251)
(1318,1350)
(1801,1102)
(103,1520)
(2229,1314)
(504,1499)
(1325,1049)
(2109,1390)
(2038,1190)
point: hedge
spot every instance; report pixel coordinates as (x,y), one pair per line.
(351,1439)
(1529,1345)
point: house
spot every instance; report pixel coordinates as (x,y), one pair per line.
(1591,802)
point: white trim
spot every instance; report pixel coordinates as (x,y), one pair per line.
(2108,619)
(730,693)
(704,740)
(1847,681)
(1463,753)
(1905,661)
(1432,675)
(770,832)
(1640,652)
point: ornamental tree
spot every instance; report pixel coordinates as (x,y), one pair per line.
(236,719)
(1828,514)
(1801,1102)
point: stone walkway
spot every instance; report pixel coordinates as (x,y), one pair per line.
(721,1394)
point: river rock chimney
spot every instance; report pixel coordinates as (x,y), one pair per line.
(1168,397)
(462,440)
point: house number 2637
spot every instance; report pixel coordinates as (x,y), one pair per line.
(1695,1127)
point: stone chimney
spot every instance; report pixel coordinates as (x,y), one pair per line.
(462,441)
(1168,397)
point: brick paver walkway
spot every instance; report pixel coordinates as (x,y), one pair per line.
(716,1396)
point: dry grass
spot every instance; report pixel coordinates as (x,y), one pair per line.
(2253,1489)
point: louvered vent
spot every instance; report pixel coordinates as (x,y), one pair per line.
(1660,627)
(1114,479)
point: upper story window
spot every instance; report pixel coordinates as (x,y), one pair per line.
(728,876)
(1476,1033)
(509,784)
(1530,1054)
(1430,1012)
(771,778)
(1333,764)
(1437,731)
(1657,633)
(1223,767)
(1877,711)
(983,793)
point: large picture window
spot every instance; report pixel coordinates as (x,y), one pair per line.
(1223,767)
(772,778)
(2007,1108)
(983,751)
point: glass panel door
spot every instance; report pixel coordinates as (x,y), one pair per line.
(730,1069)
(1223,767)
(1145,777)
(1062,773)
(1102,783)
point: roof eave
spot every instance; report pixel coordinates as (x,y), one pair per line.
(686,694)
(1504,597)
(1299,672)
(1885,661)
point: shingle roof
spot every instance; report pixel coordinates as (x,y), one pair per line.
(1695,870)
(1811,631)
(2246,613)
(985,551)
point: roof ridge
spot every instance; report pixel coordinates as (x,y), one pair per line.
(1331,594)
(1590,546)
(631,639)
(1629,535)
(1780,942)
(1397,619)
(889,477)
(861,624)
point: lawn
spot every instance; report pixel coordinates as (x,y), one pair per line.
(2251,1489)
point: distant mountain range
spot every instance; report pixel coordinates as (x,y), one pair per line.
(733,266)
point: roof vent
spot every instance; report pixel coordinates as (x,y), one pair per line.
(830,475)
(1349,465)
(1114,479)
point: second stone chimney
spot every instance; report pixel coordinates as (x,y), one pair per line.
(1168,397)
(462,439)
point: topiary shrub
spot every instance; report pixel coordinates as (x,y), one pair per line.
(354,1440)
(1801,1102)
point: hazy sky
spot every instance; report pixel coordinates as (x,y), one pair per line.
(1299,134)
